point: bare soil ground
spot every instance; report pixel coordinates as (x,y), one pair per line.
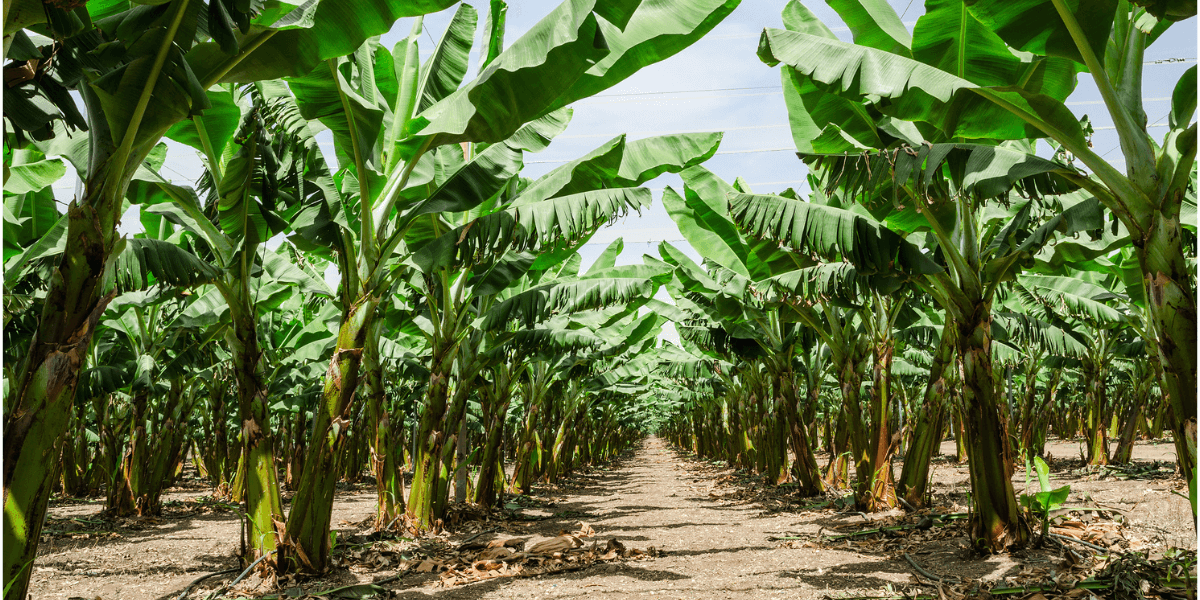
(706,532)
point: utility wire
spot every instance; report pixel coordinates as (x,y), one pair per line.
(749,127)
(1163,61)
(1154,124)
(631,133)
(1163,99)
(637,100)
(759,87)
(567,160)
(1114,127)
(632,242)
(636,97)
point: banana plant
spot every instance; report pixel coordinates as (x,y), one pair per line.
(258,172)
(1083,308)
(875,256)
(983,248)
(986,80)
(416,142)
(166,359)
(993,70)
(148,67)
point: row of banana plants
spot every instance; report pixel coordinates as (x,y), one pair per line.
(944,274)
(458,279)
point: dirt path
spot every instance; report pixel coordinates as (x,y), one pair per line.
(713,548)
(712,534)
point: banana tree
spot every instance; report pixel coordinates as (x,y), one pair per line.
(166,358)
(876,257)
(966,90)
(997,71)
(152,73)
(740,265)
(513,352)
(397,129)
(254,180)
(1084,308)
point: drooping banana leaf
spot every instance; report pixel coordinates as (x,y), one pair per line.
(144,262)
(656,31)
(1037,26)
(523,82)
(1071,296)
(604,288)
(293,43)
(443,71)
(831,232)
(918,92)
(875,24)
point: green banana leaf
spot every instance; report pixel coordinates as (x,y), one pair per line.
(829,232)
(444,70)
(307,35)
(919,92)
(1037,26)
(875,24)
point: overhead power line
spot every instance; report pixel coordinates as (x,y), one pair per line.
(1147,127)
(637,100)
(776,88)
(756,150)
(732,89)
(637,97)
(1164,61)
(713,130)
(1102,102)
(719,129)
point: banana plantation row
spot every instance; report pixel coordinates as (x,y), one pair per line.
(940,276)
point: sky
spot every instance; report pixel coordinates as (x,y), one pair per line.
(719,84)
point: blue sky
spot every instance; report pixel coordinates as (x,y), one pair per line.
(718,84)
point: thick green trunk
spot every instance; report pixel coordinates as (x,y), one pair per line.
(428,443)
(1028,416)
(307,533)
(929,420)
(995,521)
(804,469)
(881,490)
(153,451)
(1097,433)
(1171,295)
(460,463)
(486,485)
(913,484)
(837,473)
(42,396)
(385,448)
(453,423)
(256,480)
(75,461)
(1129,428)
(496,399)
(869,442)
(523,461)
(1161,417)
(555,463)
(213,442)
(128,484)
